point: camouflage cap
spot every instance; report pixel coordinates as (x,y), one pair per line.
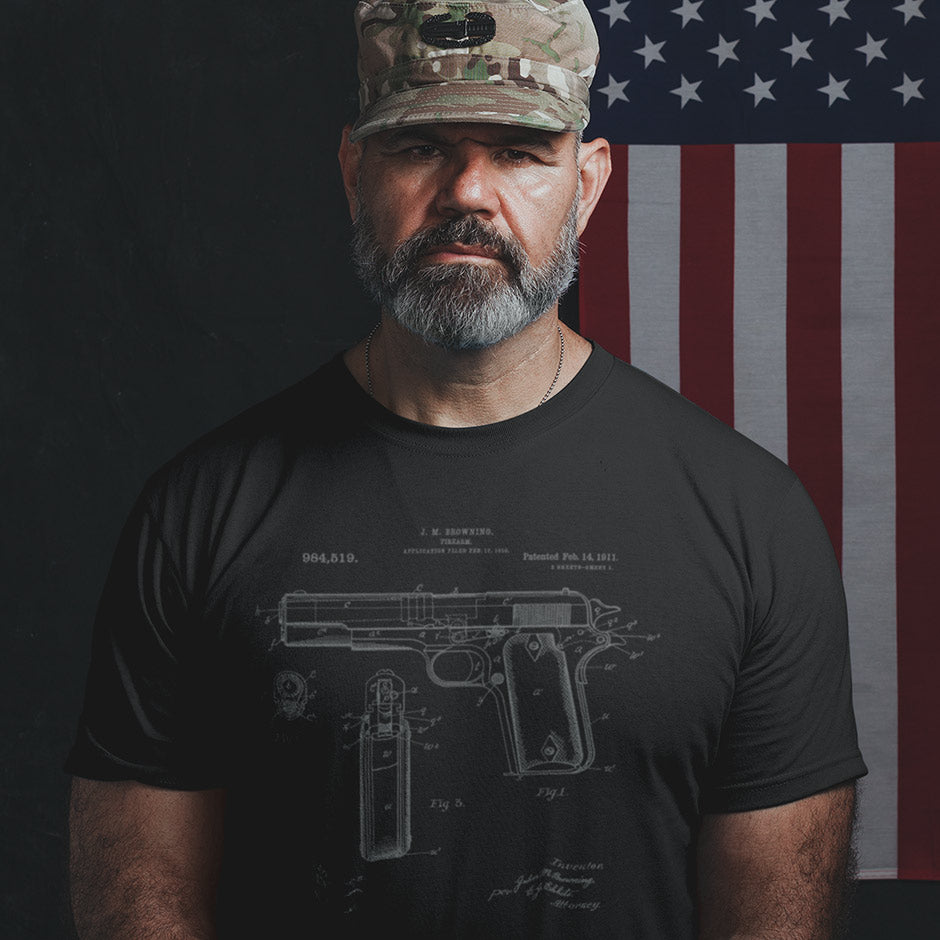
(526,62)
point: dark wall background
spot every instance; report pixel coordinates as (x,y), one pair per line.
(172,248)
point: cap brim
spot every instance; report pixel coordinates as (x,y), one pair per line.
(471,102)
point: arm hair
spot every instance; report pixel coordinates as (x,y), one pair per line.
(782,873)
(143,861)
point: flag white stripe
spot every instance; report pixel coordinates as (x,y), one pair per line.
(653,233)
(760,294)
(868,555)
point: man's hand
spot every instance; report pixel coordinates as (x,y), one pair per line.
(144,861)
(777,874)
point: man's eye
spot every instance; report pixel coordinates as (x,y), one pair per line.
(424,151)
(517,156)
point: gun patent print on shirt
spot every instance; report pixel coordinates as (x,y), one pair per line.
(529,649)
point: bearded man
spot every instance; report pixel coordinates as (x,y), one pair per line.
(477,631)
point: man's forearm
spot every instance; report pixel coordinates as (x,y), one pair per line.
(137,905)
(783,873)
(143,861)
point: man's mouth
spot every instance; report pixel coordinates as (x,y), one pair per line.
(457,251)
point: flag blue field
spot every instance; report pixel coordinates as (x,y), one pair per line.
(768,71)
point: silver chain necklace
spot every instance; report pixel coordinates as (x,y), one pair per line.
(375,329)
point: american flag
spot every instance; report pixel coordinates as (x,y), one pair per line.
(769,244)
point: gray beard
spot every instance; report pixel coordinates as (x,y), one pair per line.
(463,305)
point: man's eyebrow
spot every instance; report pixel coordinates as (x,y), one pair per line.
(408,135)
(527,140)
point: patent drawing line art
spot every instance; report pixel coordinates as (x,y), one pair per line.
(290,694)
(529,650)
(384,770)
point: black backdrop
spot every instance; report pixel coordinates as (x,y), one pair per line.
(172,248)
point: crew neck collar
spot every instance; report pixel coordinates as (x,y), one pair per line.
(485,437)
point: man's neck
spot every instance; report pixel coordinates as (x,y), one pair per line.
(472,387)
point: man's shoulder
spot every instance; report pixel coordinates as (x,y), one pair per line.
(675,417)
(661,423)
(263,438)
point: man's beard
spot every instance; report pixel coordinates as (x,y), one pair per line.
(463,305)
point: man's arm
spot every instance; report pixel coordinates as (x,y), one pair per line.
(782,873)
(144,861)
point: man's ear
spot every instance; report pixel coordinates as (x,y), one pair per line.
(350,157)
(595,166)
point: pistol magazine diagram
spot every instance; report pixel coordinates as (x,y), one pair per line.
(384,770)
(529,650)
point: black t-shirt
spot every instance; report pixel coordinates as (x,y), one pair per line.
(472,682)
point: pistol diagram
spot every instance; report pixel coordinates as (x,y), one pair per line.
(529,650)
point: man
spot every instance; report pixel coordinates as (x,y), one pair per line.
(476,632)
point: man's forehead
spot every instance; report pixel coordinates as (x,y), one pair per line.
(507,135)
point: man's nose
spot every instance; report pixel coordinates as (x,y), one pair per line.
(468,186)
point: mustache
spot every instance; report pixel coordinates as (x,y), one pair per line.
(467,230)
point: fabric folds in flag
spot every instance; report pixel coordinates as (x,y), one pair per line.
(769,245)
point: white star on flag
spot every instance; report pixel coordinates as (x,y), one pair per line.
(688,11)
(761,89)
(614,90)
(909,89)
(686,91)
(650,51)
(872,49)
(836,10)
(724,50)
(761,11)
(615,11)
(797,50)
(910,9)
(835,89)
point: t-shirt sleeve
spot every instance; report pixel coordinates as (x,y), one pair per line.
(791,729)
(144,715)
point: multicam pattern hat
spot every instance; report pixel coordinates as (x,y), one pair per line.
(527,62)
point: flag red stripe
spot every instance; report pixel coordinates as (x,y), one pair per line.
(814,320)
(603,286)
(706,278)
(917,429)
